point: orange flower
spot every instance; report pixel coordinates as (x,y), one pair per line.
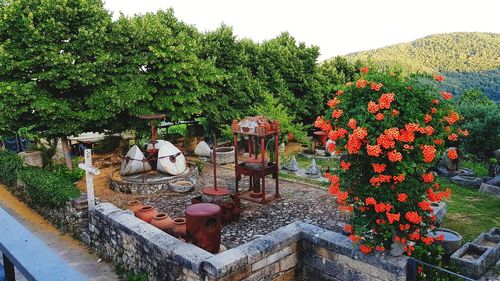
(361,83)
(452,117)
(348,228)
(336,134)
(322,124)
(375,86)
(337,113)
(365,249)
(413,217)
(428,177)
(372,107)
(345,165)
(379,116)
(380,248)
(427,240)
(385,100)
(453,137)
(333,102)
(331,146)
(354,238)
(364,70)
(348,84)
(339,92)
(399,178)
(402,197)
(353,145)
(446,95)
(395,112)
(425,206)
(452,154)
(370,201)
(392,217)
(395,156)
(360,133)
(385,141)
(429,152)
(438,142)
(427,118)
(439,78)
(352,123)
(373,150)
(379,168)
(406,136)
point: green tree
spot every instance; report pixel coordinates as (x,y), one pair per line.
(474,98)
(53,55)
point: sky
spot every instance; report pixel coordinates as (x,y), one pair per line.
(337,27)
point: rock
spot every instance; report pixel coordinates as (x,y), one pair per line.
(450,164)
(32,158)
(202,149)
(494,181)
(496,153)
(439,210)
(158,144)
(396,249)
(171,160)
(467,181)
(293,165)
(488,188)
(313,168)
(132,164)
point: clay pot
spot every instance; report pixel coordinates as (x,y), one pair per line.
(321,136)
(162,221)
(146,213)
(178,228)
(134,205)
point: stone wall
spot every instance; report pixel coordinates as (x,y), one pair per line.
(298,251)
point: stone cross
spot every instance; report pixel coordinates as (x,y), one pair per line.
(90,171)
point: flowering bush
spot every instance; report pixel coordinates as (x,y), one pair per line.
(390,130)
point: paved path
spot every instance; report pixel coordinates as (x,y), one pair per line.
(72,251)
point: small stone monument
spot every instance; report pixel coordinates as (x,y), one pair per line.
(202,149)
(133,163)
(313,168)
(293,165)
(171,160)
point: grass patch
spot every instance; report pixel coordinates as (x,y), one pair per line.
(322,185)
(304,162)
(469,211)
(481,169)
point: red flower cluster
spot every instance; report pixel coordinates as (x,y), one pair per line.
(402,197)
(395,156)
(452,154)
(413,217)
(379,168)
(429,153)
(446,95)
(429,177)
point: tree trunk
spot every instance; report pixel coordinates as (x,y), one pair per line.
(66,153)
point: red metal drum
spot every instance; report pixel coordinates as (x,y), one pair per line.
(203,226)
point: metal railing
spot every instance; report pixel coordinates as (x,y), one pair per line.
(439,272)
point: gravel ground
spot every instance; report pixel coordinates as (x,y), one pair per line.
(300,202)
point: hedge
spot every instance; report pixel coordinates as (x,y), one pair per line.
(10,163)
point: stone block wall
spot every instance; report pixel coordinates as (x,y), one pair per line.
(298,251)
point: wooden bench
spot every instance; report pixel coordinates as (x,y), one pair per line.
(21,249)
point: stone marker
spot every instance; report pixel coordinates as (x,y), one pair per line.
(467,181)
(202,149)
(488,188)
(171,160)
(293,165)
(313,168)
(32,158)
(132,164)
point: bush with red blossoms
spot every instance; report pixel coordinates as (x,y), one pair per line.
(390,130)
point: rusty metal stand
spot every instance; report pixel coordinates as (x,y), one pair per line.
(257,173)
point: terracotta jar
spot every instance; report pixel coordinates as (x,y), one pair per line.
(162,221)
(134,205)
(178,228)
(146,213)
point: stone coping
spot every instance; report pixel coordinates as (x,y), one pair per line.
(219,265)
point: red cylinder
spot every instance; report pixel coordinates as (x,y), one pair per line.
(204,226)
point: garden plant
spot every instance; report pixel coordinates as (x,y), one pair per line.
(391,130)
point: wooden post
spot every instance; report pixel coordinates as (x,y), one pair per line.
(90,171)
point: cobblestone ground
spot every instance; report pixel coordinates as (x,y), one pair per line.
(300,202)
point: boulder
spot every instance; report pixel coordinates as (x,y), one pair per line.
(32,158)
(496,153)
(170,160)
(467,181)
(491,189)
(202,149)
(132,164)
(494,181)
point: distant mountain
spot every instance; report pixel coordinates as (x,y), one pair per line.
(468,59)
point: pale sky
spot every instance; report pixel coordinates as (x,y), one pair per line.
(337,27)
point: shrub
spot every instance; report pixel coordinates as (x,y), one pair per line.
(107,145)
(72,175)
(10,163)
(45,188)
(390,129)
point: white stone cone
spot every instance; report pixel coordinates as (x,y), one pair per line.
(134,165)
(202,149)
(165,165)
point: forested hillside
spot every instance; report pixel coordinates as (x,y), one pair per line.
(469,60)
